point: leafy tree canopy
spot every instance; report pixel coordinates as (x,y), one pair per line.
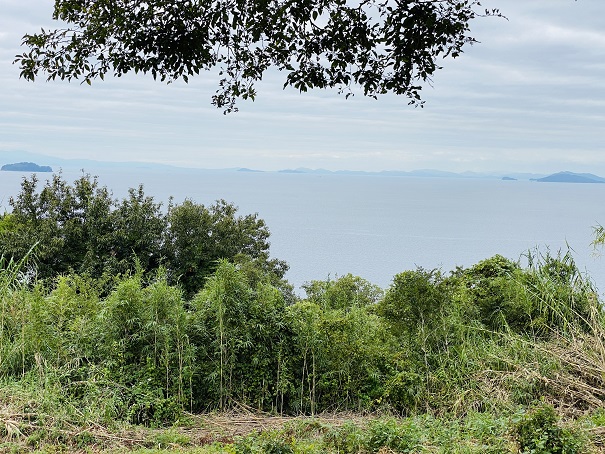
(381,46)
(81,228)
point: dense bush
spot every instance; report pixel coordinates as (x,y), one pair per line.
(538,432)
(548,296)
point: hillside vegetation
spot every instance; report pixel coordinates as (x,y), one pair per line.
(117,314)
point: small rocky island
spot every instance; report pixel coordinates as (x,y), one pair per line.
(26,167)
(571,177)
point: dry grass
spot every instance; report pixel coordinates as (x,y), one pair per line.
(200,430)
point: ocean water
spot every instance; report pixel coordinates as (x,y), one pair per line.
(375,226)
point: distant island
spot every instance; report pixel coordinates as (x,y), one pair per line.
(571,177)
(26,167)
(25,162)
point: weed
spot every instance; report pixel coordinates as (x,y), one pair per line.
(399,436)
(538,432)
(170,439)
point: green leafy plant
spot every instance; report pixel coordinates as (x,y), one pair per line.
(170,439)
(397,436)
(347,439)
(538,432)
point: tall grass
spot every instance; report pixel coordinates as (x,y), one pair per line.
(14,280)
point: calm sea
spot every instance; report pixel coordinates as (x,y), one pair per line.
(375,227)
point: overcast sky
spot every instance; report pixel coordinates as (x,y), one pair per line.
(529,97)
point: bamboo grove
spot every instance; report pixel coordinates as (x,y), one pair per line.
(195,316)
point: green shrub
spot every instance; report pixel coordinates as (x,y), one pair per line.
(84,439)
(494,291)
(563,299)
(170,438)
(347,439)
(549,295)
(405,391)
(397,436)
(264,443)
(538,432)
(414,300)
(151,409)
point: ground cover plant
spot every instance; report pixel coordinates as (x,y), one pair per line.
(113,351)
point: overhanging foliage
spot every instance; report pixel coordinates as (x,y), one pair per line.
(380,46)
